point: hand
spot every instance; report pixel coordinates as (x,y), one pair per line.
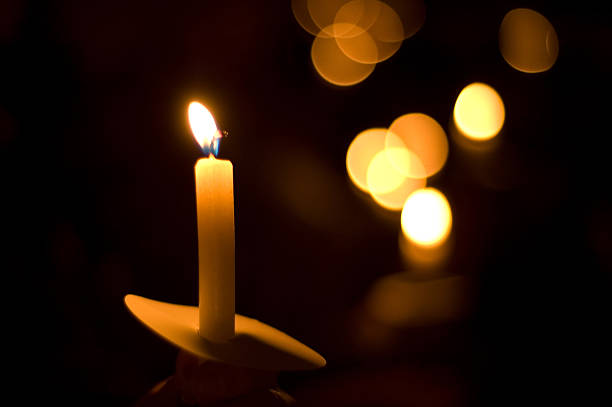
(200,382)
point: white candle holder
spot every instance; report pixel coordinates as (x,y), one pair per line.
(256,345)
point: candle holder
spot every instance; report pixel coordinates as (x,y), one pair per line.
(255,345)
(212,330)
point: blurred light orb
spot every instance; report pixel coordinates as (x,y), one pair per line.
(423,136)
(426,217)
(360,153)
(528,41)
(382,177)
(323,13)
(394,200)
(334,66)
(355,17)
(302,16)
(479,112)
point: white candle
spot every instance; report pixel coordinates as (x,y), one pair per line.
(215,209)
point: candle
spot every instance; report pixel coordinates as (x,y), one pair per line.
(215,210)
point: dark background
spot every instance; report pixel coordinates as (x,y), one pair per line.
(97,167)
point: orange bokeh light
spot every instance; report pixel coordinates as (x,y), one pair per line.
(334,66)
(360,153)
(528,41)
(423,136)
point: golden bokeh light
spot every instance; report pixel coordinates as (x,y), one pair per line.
(302,16)
(423,136)
(360,48)
(528,41)
(202,123)
(323,14)
(479,112)
(379,34)
(360,153)
(394,200)
(382,177)
(355,17)
(426,217)
(334,66)
(403,299)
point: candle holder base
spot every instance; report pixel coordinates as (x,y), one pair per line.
(256,345)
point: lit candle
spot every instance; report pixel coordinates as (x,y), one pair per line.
(215,209)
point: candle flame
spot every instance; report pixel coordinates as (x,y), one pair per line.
(204,128)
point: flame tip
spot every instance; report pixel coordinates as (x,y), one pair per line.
(203,127)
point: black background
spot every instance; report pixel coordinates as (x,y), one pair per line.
(97,166)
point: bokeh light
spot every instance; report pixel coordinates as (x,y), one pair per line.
(528,41)
(423,136)
(394,200)
(360,153)
(382,177)
(334,66)
(302,16)
(426,217)
(323,14)
(388,187)
(365,32)
(404,299)
(479,112)
(355,17)
(377,39)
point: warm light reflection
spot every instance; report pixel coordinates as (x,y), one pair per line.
(403,299)
(426,259)
(381,176)
(334,66)
(479,112)
(528,41)
(202,124)
(360,153)
(426,217)
(423,136)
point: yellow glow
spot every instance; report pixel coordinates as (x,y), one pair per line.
(360,153)
(423,136)
(334,66)
(528,41)
(426,217)
(479,112)
(382,177)
(202,123)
